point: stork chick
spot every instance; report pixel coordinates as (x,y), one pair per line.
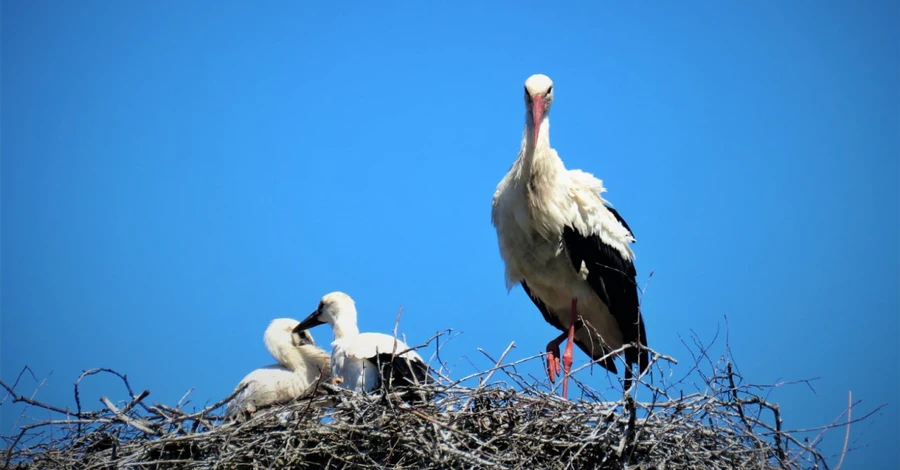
(363,362)
(300,364)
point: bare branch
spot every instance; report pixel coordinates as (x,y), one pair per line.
(126,419)
(718,421)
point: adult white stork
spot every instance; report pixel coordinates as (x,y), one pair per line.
(363,362)
(568,248)
(300,364)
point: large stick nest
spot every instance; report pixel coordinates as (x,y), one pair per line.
(498,425)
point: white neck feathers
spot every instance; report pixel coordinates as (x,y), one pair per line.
(294,358)
(345,328)
(543,142)
(538,163)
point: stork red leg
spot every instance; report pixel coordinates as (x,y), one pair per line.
(553,357)
(567,356)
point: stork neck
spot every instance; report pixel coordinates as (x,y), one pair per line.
(311,358)
(284,351)
(537,160)
(532,150)
(345,329)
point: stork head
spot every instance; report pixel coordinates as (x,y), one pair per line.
(292,348)
(283,328)
(336,307)
(281,333)
(538,98)
(302,338)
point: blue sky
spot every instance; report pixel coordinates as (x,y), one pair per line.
(177,174)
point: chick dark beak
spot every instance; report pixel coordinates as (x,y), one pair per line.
(308,322)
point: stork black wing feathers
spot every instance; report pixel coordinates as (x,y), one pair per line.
(401,372)
(618,217)
(612,277)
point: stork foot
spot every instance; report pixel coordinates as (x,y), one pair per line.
(552,361)
(553,368)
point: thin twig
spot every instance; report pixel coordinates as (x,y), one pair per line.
(516,424)
(847,430)
(125,418)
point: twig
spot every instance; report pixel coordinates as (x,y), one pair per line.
(19,398)
(122,416)
(517,424)
(847,429)
(497,363)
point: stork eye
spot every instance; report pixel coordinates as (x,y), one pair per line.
(550,90)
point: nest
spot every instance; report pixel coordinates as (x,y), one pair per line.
(514,424)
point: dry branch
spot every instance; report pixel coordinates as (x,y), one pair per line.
(725,424)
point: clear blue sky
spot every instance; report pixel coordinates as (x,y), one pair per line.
(177,174)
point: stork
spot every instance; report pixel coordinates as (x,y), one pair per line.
(300,364)
(568,249)
(363,362)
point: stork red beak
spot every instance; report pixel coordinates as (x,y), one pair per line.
(537,112)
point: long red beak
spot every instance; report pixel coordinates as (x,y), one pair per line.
(537,112)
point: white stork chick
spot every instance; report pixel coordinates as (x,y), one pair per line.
(569,249)
(300,364)
(363,362)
